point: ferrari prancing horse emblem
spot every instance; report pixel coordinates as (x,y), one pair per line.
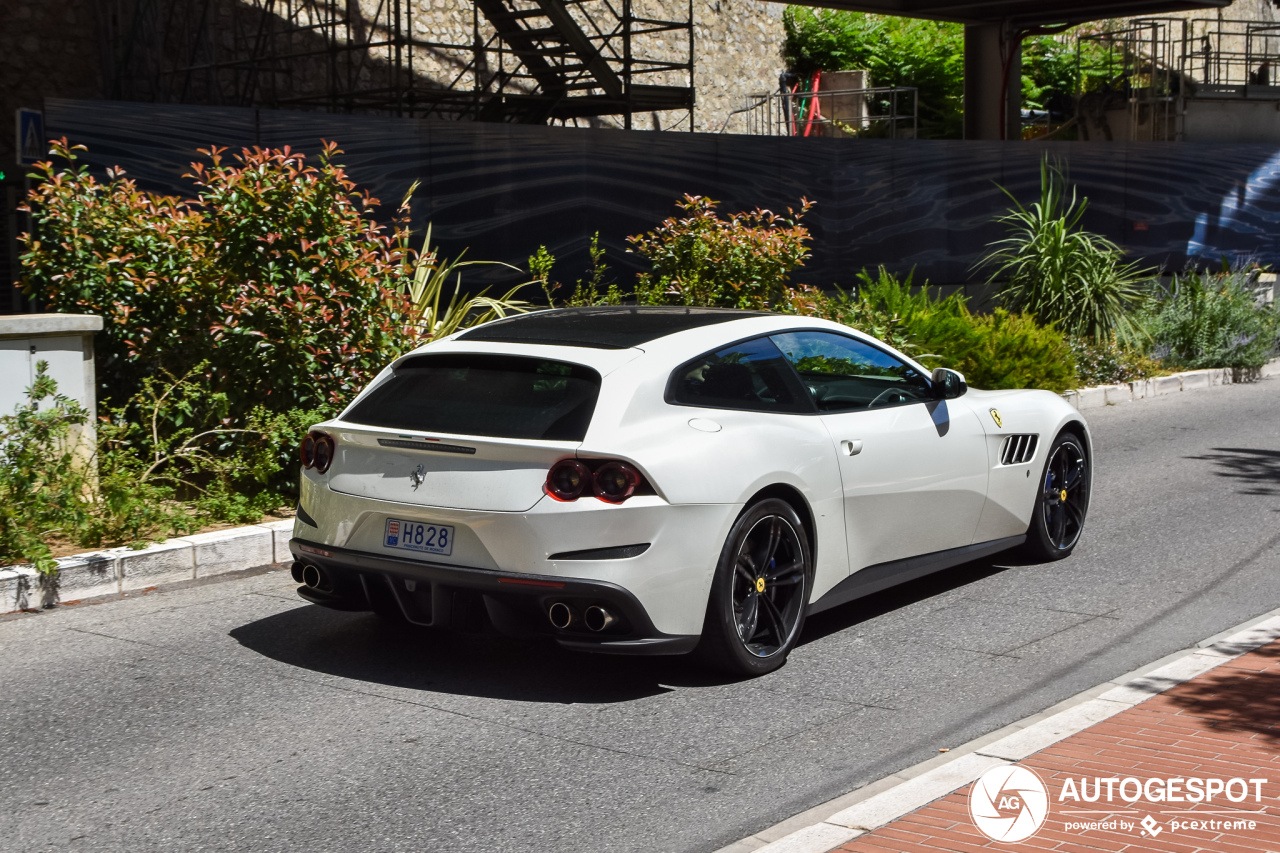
(416,476)
(995,416)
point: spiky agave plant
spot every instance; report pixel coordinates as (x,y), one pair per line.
(1062,274)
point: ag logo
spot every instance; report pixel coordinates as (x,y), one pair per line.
(1009,803)
(995,416)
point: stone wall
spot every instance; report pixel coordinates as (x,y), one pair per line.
(739,47)
(56,50)
(46,50)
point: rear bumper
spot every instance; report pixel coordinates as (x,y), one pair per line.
(516,604)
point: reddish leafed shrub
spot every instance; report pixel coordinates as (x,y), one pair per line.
(275,273)
(739,262)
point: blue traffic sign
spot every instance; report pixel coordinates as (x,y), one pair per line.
(31,141)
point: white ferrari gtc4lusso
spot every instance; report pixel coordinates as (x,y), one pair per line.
(651,480)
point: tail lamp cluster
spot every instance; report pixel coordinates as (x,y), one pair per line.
(610,481)
(317,451)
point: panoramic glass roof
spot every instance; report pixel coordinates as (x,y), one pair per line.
(602,327)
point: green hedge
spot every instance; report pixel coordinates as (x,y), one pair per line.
(994,351)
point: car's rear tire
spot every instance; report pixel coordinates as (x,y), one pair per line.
(760,591)
(1062,500)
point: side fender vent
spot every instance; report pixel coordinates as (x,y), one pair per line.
(1018,449)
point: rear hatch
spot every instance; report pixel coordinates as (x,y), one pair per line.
(464,430)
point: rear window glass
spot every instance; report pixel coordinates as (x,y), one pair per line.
(489,395)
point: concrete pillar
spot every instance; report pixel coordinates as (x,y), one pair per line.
(984,51)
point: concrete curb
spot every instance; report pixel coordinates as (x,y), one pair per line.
(117,570)
(1192,380)
(872,806)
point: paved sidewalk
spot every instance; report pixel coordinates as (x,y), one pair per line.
(1223,724)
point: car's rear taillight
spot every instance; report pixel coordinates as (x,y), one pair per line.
(317,451)
(616,481)
(567,480)
(607,479)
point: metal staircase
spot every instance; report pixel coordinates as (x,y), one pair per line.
(569,59)
(527,61)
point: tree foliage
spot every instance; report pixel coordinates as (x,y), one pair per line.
(927,55)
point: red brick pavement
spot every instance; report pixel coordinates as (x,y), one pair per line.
(1224,723)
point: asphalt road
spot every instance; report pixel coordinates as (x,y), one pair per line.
(232,716)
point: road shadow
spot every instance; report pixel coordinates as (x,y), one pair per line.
(1258,470)
(1231,699)
(861,610)
(360,647)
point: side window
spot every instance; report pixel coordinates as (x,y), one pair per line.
(751,375)
(844,374)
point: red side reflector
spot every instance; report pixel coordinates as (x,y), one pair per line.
(527,582)
(311,550)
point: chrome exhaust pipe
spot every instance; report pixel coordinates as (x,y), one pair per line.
(315,578)
(295,569)
(561,615)
(597,619)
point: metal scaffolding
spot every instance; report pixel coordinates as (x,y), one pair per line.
(1136,83)
(527,61)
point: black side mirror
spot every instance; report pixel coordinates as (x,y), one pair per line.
(947,384)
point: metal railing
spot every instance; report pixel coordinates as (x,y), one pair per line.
(879,112)
(1139,69)
(1153,67)
(1232,53)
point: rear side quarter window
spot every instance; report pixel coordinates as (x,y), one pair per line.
(751,376)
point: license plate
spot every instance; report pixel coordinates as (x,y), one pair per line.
(416,536)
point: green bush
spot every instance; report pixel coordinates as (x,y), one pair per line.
(42,484)
(1206,320)
(1051,268)
(1000,350)
(274,276)
(996,351)
(739,262)
(586,292)
(1107,362)
(127,490)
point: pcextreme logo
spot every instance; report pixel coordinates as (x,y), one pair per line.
(1009,803)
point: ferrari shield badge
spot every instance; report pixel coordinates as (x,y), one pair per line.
(995,416)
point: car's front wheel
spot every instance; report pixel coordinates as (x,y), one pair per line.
(760,591)
(1062,500)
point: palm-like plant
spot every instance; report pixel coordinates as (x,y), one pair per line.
(1060,273)
(430,318)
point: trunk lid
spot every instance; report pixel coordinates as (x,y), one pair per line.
(457,472)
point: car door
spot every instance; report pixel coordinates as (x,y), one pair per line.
(913,468)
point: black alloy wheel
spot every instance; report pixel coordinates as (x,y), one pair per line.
(1062,501)
(760,591)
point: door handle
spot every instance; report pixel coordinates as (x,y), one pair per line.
(851,448)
